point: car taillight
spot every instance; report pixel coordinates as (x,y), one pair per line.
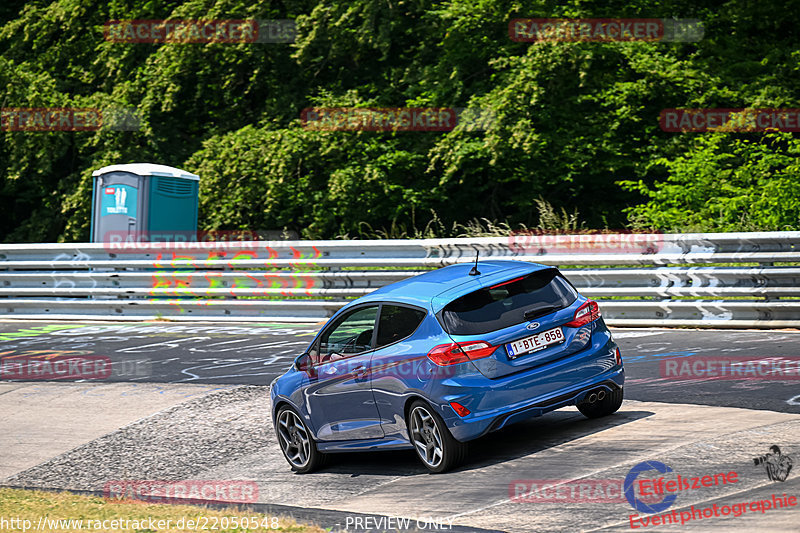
(454,353)
(460,409)
(618,357)
(588,312)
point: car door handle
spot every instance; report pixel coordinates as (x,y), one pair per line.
(360,371)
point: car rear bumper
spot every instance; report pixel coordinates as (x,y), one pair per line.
(496,403)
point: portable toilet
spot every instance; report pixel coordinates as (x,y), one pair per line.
(144,202)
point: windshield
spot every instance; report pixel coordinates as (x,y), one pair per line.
(508,303)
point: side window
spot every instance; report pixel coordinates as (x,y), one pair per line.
(397,323)
(352,335)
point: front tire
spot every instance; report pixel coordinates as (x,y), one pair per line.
(433,442)
(296,443)
(608,405)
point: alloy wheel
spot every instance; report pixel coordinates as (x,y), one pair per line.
(294,438)
(426,436)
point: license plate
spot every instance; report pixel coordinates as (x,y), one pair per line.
(535,343)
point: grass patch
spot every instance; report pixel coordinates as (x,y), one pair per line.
(97,514)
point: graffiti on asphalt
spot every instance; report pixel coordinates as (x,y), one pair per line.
(175,353)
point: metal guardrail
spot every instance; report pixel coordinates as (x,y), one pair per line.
(704,280)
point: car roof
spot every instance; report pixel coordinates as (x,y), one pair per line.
(435,289)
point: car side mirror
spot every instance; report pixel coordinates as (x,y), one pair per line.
(303,363)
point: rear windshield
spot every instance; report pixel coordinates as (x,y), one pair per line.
(508,303)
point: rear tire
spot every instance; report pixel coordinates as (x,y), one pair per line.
(608,405)
(296,443)
(435,446)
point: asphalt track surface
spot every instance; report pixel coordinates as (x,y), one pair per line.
(255,354)
(188,401)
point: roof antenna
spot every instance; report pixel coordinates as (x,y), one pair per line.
(475,271)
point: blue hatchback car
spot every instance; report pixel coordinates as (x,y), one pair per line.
(442,358)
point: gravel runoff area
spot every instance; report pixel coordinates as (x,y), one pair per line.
(177,443)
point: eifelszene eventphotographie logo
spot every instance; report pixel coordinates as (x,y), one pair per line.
(777,464)
(630,494)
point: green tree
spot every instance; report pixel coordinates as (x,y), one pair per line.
(726,182)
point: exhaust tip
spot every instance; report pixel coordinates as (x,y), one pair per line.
(601,395)
(592,398)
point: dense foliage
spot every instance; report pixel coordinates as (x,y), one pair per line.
(575,124)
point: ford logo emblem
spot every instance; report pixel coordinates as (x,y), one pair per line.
(532,325)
